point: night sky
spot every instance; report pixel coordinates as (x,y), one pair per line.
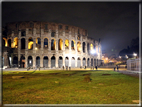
(116,24)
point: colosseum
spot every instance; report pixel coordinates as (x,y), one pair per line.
(48,45)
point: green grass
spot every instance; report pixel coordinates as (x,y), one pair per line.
(69,87)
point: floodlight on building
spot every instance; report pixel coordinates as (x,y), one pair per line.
(93,51)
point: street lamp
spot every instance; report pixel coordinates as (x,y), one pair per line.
(135,55)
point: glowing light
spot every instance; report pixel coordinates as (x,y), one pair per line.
(35,48)
(126,56)
(119,56)
(30,61)
(106,58)
(93,51)
(134,54)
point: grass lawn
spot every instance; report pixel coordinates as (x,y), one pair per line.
(69,87)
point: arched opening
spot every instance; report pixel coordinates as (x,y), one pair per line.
(23,43)
(45,61)
(73,45)
(45,43)
(66,44)
(38,61)
(15,43)
(79,46)
(91,62)
(73,62)
(78,37)
(60,44)
(30,43)
(52,61)
(15,61)
(22,62)
(53,44)
(94,62)
(60,62)
(4,42)
(83,47)
(88,62)
(38,42)
(30,61)
(9,42)
(88,47)
(91,46)
(66,61)
(78,62)
(84,61)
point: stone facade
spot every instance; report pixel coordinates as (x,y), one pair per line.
(48,44)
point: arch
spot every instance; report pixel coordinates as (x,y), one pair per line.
(79,46)
(66,44)
(60,62)
(78,37)
(84,61)
(88,62)
(83,46)
(38,61)
(73,44)
(67,61)
(94,62)
(45,42)
(30,43)
(38,42)
(15,61)
(53,44)
(9,42)
(23,43)
(15,43)
(53,61)
(78,62)
(30,61)
(22,62)
(60,44)
(45,61)
(91,46)
(73,62)
(88,47)
(5,42)
(91,61)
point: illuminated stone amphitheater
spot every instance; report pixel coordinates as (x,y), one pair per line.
(49,45)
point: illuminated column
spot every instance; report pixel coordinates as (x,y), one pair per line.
(69,61)
(63,61)
(19,52)
(26,59)
(41,61)
(34,61)
(86,61)
(81,61)
(49,62)
(26,43)
(34,43)
(56,61)
(76,62)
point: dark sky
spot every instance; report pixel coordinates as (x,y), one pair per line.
(116,24)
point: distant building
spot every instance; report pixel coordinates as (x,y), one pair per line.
(48,44)
(133,64)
